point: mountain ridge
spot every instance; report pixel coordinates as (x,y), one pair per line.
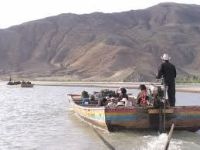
(104,47)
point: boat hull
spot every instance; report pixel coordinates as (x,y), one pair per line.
(26,85)
(94,115)
(184,117)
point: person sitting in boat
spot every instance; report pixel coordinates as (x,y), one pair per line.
(117,92)
(127,102)
(142,98)
(122,94)
(91,98)
(85,98)
(23,82)
(111,102)
(157,94)
(102,102)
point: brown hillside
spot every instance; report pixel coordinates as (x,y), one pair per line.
(113,47)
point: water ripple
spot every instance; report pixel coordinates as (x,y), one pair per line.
(40,118)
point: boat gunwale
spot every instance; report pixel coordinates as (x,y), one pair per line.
(194,108)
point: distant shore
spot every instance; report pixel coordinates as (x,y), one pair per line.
(192,88)
(130,85)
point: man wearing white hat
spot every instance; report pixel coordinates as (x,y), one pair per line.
(167,71)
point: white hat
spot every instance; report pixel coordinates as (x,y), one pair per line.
(165,57)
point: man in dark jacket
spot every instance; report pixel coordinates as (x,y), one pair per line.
(167,71)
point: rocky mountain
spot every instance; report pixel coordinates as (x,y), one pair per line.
(122,46)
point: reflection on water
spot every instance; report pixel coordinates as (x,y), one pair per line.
(40,118)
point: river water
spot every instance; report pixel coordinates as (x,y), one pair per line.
(40,118)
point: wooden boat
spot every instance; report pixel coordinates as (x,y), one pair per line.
(26,85)
(14,83)
(10,82)
(184,117)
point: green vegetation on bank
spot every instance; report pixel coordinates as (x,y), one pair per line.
(188,79)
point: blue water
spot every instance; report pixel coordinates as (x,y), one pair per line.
(40,118)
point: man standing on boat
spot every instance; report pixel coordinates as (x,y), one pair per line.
(167,71)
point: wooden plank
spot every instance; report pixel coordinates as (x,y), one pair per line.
(169,137)
(156,111)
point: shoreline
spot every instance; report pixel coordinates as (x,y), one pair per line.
(191,88)
(128,85)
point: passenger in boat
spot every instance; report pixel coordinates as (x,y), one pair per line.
(122,94)
(167,71)
(142,98)
(127,102)
(92,98)
(117,92)
(102,102)
(111,102)
(156,96)
(85,98)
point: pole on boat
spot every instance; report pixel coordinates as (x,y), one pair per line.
(160,120)
(165,101)
(162,111)
(169,137)
(104,141)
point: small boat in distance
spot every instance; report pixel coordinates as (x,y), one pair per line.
(26,84)
(10,82)
(136,117)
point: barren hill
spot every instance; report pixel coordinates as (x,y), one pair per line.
(122,46)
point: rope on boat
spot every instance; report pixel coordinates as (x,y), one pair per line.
(169,137)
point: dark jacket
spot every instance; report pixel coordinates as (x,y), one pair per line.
(168,72)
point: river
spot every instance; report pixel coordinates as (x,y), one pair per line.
(40,118)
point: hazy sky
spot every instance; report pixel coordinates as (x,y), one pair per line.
(13,12)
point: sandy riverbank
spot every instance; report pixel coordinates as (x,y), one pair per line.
(129,85)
